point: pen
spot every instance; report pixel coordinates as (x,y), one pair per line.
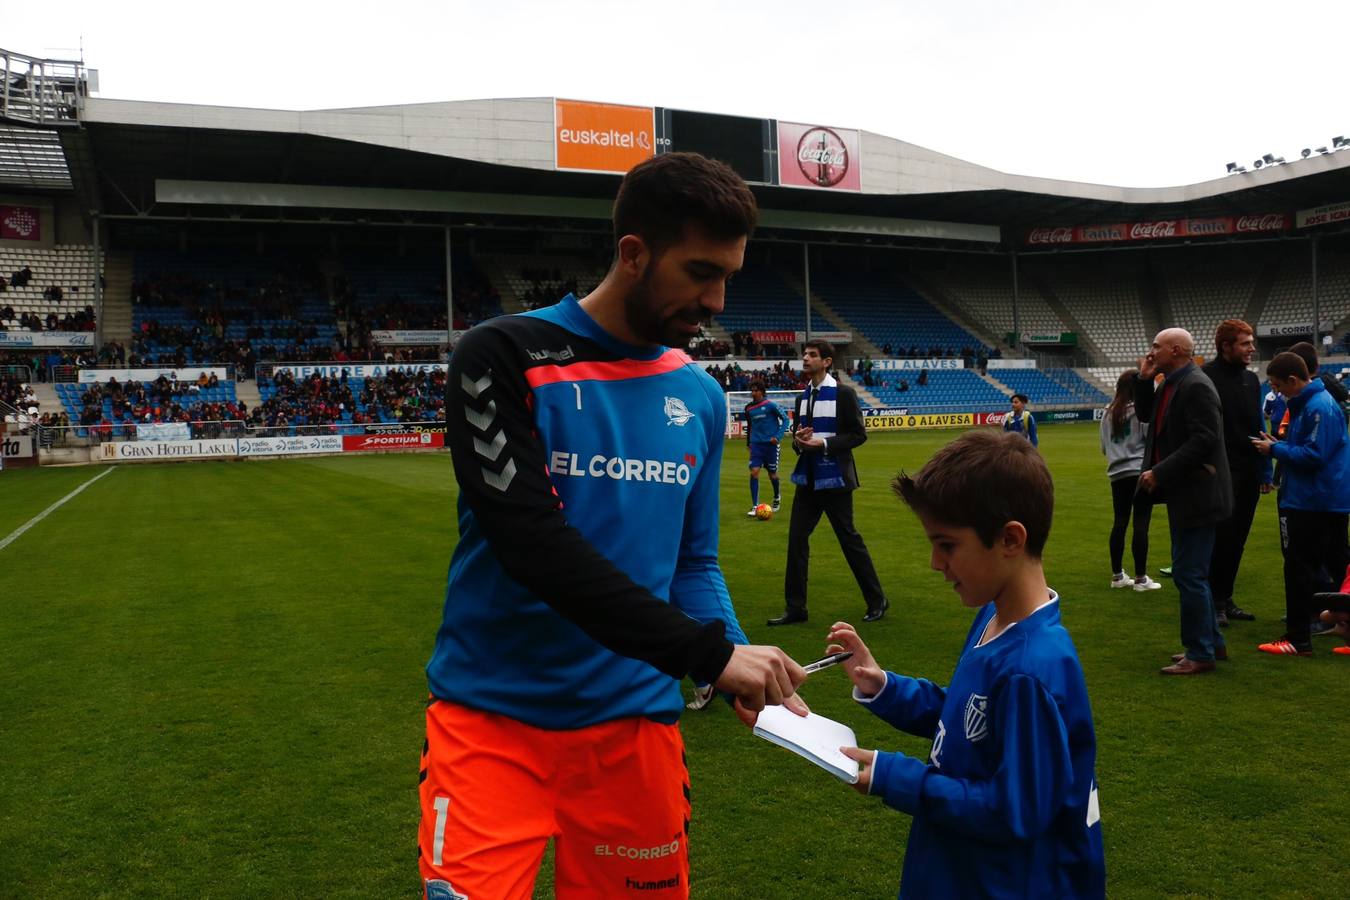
(827,661)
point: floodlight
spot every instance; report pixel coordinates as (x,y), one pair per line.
(1256,164)
(1269,159)
(1339,142)
(1306,152)
(1279,160)
(1232,167)
(1323,150)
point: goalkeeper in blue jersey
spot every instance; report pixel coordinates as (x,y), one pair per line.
(1006,803)
(765,425)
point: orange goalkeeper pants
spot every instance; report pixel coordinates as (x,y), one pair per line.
(614,798)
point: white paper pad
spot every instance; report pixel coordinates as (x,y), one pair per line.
(814,737)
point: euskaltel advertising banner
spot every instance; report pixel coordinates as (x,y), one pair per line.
(1161,229)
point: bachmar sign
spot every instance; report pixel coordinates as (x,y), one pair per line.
(602,137)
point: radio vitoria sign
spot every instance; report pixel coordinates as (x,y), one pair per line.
(818,156)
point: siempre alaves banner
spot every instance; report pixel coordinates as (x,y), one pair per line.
(290,446)
(355,370)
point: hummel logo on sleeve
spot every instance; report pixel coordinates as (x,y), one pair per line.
(475,388)
(491,451)
(482,420)
(501,480)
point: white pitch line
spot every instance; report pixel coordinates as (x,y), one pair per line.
(14,536)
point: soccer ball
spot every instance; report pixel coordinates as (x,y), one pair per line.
(764,512)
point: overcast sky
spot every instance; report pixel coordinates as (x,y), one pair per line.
(1143,93)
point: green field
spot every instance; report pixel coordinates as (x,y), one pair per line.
(211,686)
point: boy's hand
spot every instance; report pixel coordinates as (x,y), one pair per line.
(862,669)
(865,759)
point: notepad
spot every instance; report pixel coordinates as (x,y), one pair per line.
(812,737)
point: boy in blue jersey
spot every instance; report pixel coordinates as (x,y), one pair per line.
(765,425)
(1006,803)
(1020,421)
(585,582)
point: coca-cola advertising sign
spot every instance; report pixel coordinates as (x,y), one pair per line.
(818,156)
(1267,222)
(1162,229)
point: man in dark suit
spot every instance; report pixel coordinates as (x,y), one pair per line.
(1186,467)
(1240,399)
(828,425)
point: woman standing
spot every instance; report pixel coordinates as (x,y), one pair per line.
(1123,437)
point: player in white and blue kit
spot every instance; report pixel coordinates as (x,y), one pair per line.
(1006,803)
(765,425)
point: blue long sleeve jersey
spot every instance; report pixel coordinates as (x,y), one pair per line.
(766,420)
(1006,805)
(585,581)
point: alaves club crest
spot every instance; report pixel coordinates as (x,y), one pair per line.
(676,412)
(977,717)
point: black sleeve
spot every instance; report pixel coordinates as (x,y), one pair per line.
(503,478)
(849,429)
(1143,399)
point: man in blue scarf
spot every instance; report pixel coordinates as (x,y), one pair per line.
(828,425)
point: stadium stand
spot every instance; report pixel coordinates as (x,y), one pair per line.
(1291,294)
(53,286)
(980,289)
(1205,285)
(1102,294)
(892,315)
(1050,387)
(759,300)
(116,408)
(947,389)
(343,405)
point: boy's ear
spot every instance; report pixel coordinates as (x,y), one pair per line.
(1013,539)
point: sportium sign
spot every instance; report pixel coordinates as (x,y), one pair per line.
(815,156)
(602,137)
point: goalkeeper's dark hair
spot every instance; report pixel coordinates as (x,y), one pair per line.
(662,196)
(983,480)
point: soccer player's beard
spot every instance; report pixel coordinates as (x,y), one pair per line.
(646,323)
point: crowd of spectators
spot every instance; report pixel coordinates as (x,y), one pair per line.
(780,377)
(318,404)
(548,286)
(30,321)
(164,400)
(16,392)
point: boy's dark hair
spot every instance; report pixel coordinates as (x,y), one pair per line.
(1288,365)
(1308,353)
(983,480)
(661,196)
(758,385)
(1022,397)
(824,348)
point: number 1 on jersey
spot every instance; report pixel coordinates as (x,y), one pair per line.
(577,387)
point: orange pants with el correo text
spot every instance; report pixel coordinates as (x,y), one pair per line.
(614,798)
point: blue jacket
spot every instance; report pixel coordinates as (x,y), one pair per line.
(1006,803)
(1315,456)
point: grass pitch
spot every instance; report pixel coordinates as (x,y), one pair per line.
(211,685)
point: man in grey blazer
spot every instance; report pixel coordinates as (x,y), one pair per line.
(1186,467)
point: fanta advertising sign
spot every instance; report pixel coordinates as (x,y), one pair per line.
(816,156)
(602,137)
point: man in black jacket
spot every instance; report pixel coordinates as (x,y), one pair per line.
(1240,398)
(1186,467)
(828,425)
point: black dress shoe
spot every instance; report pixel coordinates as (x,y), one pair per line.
(789,617)
(1237,612)
(876,613)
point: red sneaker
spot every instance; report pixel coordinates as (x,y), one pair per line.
(1283,647)
(1343,651)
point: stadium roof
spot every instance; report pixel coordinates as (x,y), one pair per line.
(495,159)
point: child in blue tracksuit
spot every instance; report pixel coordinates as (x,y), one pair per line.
(1020,421)
(1006,803)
